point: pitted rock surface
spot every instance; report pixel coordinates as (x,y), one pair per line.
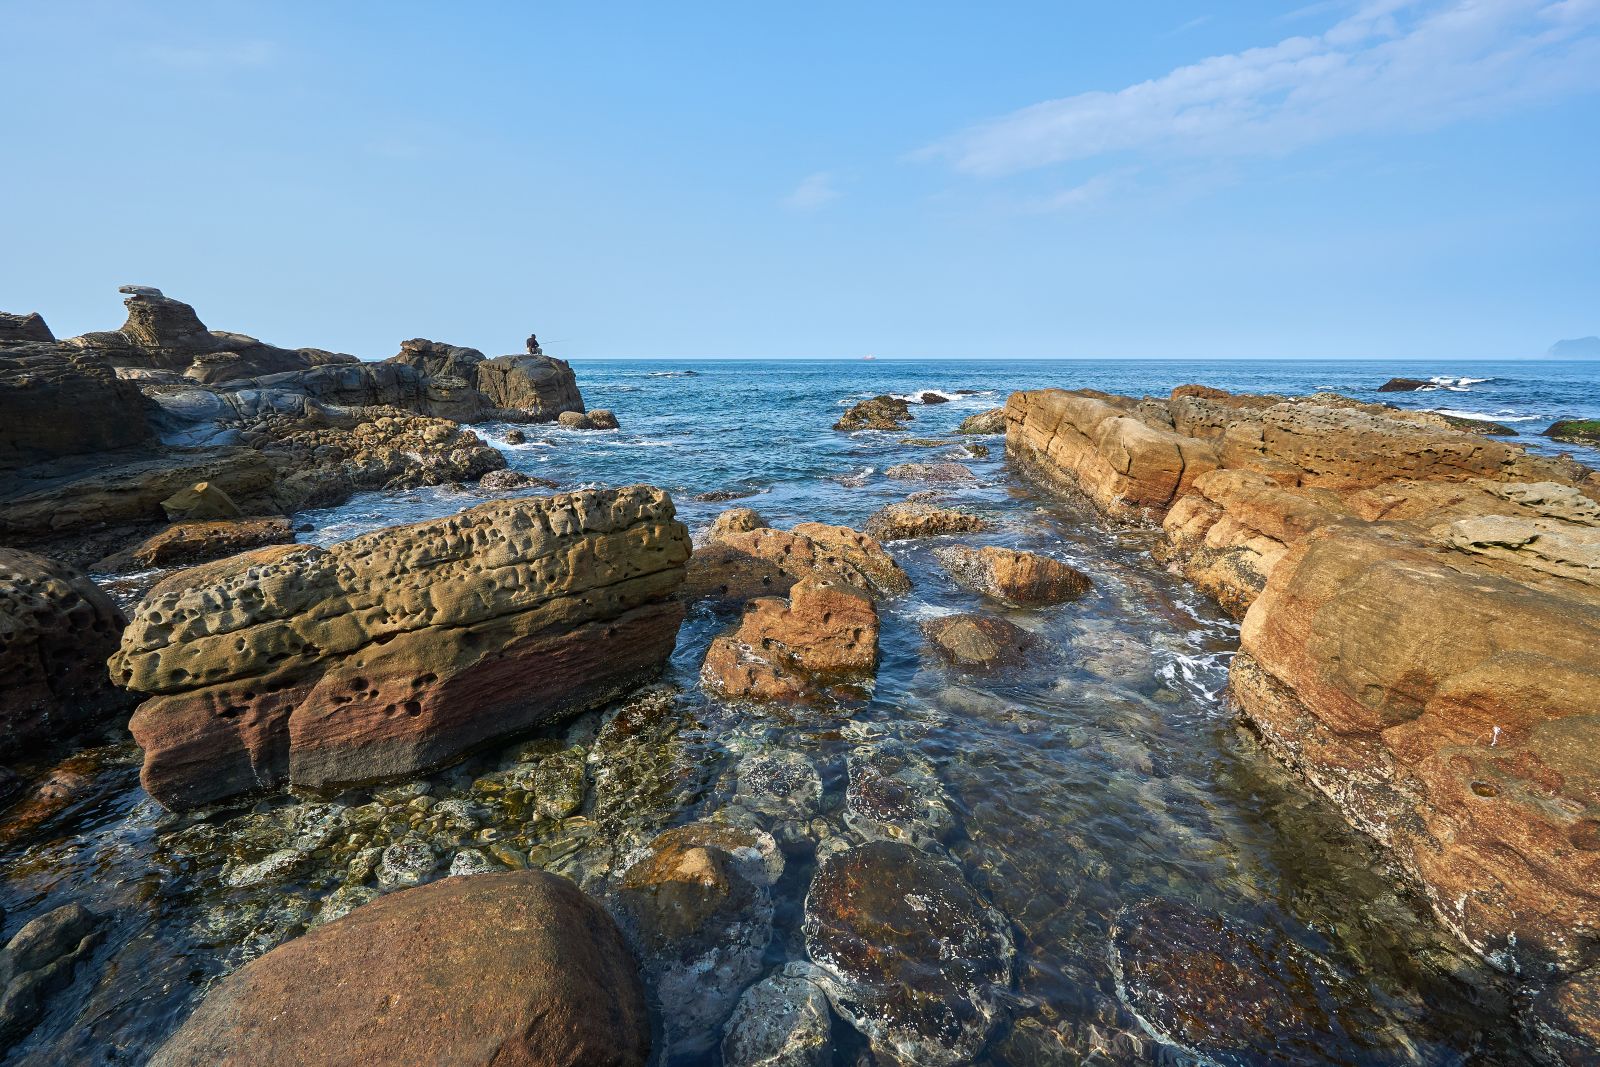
(391,653)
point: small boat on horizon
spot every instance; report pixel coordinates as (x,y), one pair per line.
(869,357)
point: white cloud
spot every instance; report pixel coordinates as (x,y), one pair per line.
(1074,197)
(1392,65)
(815,191)
(220,55)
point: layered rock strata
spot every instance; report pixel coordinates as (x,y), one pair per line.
(393,653)
(1421,612)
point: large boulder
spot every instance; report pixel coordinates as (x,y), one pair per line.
(392,653)
(56,630)
(39,961)
(56,401)
(518,969)
(538,387)
(736,564)
(29,327)
(984,422)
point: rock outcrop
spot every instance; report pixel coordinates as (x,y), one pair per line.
(39,961)
(1026,579)
(1404,385)
(879,413)
(916,518)
(740,560)
(518,969)
(822,641)
(529,387)
(1575,431)
(392,653)
(56,630)
(29,327)
(55,401)
(1421,607)
(984,422)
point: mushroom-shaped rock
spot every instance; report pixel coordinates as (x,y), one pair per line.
(518,969)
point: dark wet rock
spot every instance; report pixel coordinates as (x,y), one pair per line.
(56,401)
(1404,385)
(945,473)
(1575,431)
(913,958)
(911,519)
(29,327)
(506,480)
(1565,1021)
(518,968)
(11,787)
(73,785)
(1230,992)
(979,642)
(782,1021)
(56,631)
(436,359)
(933,398)
(879,413)
(516,437)
(895,794)
(602,419)
(991,421)
(718,496)
(39,961)
(539,387)
(820,643)
(698,908)
(1023,578)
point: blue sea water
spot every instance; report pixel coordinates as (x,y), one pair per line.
(1108,778)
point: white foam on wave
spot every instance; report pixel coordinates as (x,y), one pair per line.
(1457,384)
(1478,416)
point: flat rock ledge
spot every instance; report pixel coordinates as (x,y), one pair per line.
(519,969)
(391,654)
(1421,610)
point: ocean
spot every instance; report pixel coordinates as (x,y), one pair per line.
(1108,777)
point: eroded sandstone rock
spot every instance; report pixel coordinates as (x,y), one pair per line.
(515,969)
(392,653)
(821,641)
(56,401)
(991,421)
(916,518)
(56,628)
(1024,578)
(736,565)
(979,642)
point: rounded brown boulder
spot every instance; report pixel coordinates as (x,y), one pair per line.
(516,970)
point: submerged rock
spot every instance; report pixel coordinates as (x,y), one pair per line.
(782,1021)
(513,968)
(698,907)
(979,642)
(1024,578)
(946,473)
(39,961)
(1404,385)
(1229,993)
(879,413)
(915,518)
(392,653)
(913,958)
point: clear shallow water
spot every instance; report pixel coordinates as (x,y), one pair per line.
(1107,775)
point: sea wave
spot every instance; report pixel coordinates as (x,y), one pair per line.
(1457,384)
(1479,416)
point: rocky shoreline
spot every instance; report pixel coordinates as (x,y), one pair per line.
(1421,615)
(447,731)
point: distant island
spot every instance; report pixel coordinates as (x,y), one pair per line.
(1577,348)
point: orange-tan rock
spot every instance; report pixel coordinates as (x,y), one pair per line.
(742,560)
(392,653)
(1421,612)
(821,641)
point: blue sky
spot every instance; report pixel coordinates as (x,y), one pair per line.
(1388,179)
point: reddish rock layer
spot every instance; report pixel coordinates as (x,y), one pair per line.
(392,653)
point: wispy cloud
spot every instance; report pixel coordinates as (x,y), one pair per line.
(1391,65)
(814,191)
(215,55)
(1074,197)
(1193,24)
